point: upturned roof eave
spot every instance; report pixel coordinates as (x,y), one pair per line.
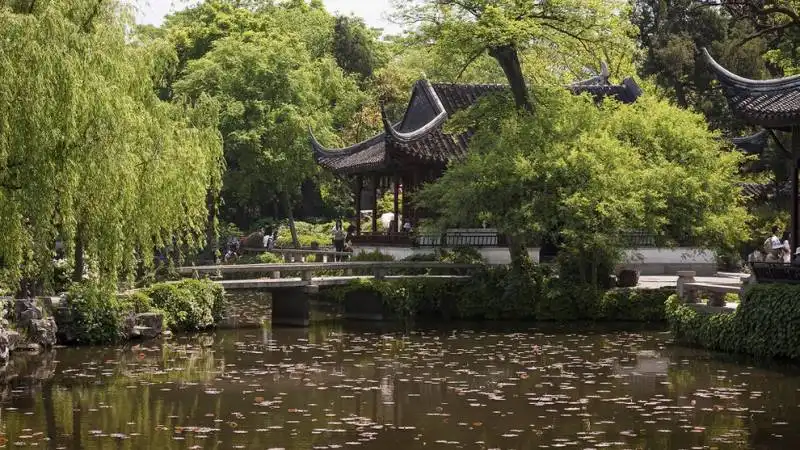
(730,79)
(738,90)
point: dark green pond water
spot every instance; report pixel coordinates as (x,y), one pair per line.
(331,387)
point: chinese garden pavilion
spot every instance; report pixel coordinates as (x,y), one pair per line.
(773,105)
(416,150)
(754,145)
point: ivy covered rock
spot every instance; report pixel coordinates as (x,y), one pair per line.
(764,324)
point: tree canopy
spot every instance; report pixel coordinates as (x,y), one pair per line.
(587,175)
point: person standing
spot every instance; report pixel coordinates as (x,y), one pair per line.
(338,237)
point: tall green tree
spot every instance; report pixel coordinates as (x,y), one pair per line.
(672,32)
(88,153)
(563,33)
(356,47)
(271,90)
(284,79)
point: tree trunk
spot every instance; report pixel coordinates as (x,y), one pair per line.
(80,257)
(680,93)
(508,58)
(518,250)
(288,205)
(212,236)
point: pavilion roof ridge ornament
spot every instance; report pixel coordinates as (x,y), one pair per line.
(440,118)
(601,79)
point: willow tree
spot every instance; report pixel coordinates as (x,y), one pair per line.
(88,153)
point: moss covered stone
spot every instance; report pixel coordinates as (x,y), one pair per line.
(765,324)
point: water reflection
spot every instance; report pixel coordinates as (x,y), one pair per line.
(334,387)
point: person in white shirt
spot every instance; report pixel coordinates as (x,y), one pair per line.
(773,247)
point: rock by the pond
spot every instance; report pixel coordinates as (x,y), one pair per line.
(65,325)
(5,348)
(42,332)
(25,310)
(147,325)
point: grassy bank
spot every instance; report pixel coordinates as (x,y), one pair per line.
(765,324)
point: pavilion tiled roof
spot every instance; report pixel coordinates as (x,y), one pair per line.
(768,103)
(419,135)
(761,191)
(363,157)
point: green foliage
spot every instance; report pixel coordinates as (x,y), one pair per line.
(269,258)
(189,304)
(272,71)
(586,175)
(671,33)
(527,292)
(635,305)
(461,255)
(576,33)
(307,233)
(374,255)
(88,146)
(97,314)
(356,47)
(764,324)
(139,302)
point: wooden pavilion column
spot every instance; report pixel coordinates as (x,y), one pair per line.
(359,189)
(405,204)
(795,227)
(396,204)
(374,204)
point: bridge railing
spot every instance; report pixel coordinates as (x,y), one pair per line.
(306,271)
(291,255)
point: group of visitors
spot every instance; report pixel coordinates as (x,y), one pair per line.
(232,249)
(776,250)
(342,239)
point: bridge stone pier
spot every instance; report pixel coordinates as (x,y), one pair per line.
(363,305)
(292,306)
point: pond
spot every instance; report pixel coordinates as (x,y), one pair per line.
(334,386)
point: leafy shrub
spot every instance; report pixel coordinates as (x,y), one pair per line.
(96,314)
(269,258)
(306,234)
(636,305)
(139,302)
(730,297)
(525,292)
(374,255)
(765,323)
(462,255)
(62,275)
(189,304)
